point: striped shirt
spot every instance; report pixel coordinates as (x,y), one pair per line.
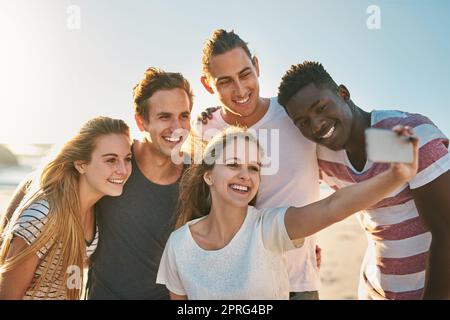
(28,227)
(398,242)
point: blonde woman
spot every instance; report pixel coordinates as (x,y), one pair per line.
(53,232)
(234,251)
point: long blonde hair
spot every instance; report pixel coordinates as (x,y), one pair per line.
(58,185)
(194,199)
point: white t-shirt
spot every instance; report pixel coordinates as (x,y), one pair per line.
(295,182)
(250,266)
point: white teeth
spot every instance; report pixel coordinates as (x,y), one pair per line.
(172,139)
(116,181)
(328,134)
(238,187)
(243,100)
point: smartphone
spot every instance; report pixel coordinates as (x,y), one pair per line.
(386,146)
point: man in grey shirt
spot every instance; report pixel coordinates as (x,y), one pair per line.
(134,227)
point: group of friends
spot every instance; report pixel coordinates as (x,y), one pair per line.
(215,225)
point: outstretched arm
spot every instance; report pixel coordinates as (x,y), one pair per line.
(305,221)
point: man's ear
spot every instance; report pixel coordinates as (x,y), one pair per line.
(344,93)
(255,62)
(207,178)
(139,122)
(206,85)
(80,166)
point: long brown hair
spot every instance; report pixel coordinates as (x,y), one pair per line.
(194,200)
(58,184)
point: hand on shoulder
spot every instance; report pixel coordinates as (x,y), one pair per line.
(207,114)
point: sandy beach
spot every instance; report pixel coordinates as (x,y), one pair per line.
(342,246)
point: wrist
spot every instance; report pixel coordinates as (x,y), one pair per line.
(396,176)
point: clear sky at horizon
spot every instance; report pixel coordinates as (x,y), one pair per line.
(52,78)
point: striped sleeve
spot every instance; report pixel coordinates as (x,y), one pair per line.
(434,158)
(30,223)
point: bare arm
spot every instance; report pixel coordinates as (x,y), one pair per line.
(14,283)
(305,221)
(433,203)
(174,296)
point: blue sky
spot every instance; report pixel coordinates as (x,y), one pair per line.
(53,78)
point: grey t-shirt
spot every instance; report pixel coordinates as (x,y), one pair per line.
(133,230)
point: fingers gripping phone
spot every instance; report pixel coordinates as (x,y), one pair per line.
(386,146)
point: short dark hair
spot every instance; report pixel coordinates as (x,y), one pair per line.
(301,75)
(220,42)
(155,79)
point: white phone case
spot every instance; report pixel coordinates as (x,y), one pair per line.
(386,146)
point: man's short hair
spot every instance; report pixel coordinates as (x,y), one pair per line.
(301,75)
(155,79)
(220,42)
